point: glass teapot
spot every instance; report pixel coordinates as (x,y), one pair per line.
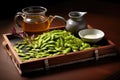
(33,19)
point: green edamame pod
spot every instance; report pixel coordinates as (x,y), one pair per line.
(50,43)
(66,50)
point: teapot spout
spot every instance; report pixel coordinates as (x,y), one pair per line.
(51,18)
(82,13)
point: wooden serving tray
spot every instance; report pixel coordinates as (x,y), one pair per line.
(107,48)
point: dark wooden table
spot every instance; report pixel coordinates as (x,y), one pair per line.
(106,19)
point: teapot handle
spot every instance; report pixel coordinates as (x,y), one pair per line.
(18,19)
(56,16)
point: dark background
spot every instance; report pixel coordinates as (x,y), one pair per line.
(9,8)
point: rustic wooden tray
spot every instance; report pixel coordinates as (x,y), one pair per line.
(108,48)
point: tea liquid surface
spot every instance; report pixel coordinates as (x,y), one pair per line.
(36,24)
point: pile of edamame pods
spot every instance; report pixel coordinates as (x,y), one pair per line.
(50,43)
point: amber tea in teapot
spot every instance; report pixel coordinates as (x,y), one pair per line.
(34,19)
(37,25)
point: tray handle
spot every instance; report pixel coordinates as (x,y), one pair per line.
(46,63)
(7,48)
(96,54)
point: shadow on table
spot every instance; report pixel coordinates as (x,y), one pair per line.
(115,76)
